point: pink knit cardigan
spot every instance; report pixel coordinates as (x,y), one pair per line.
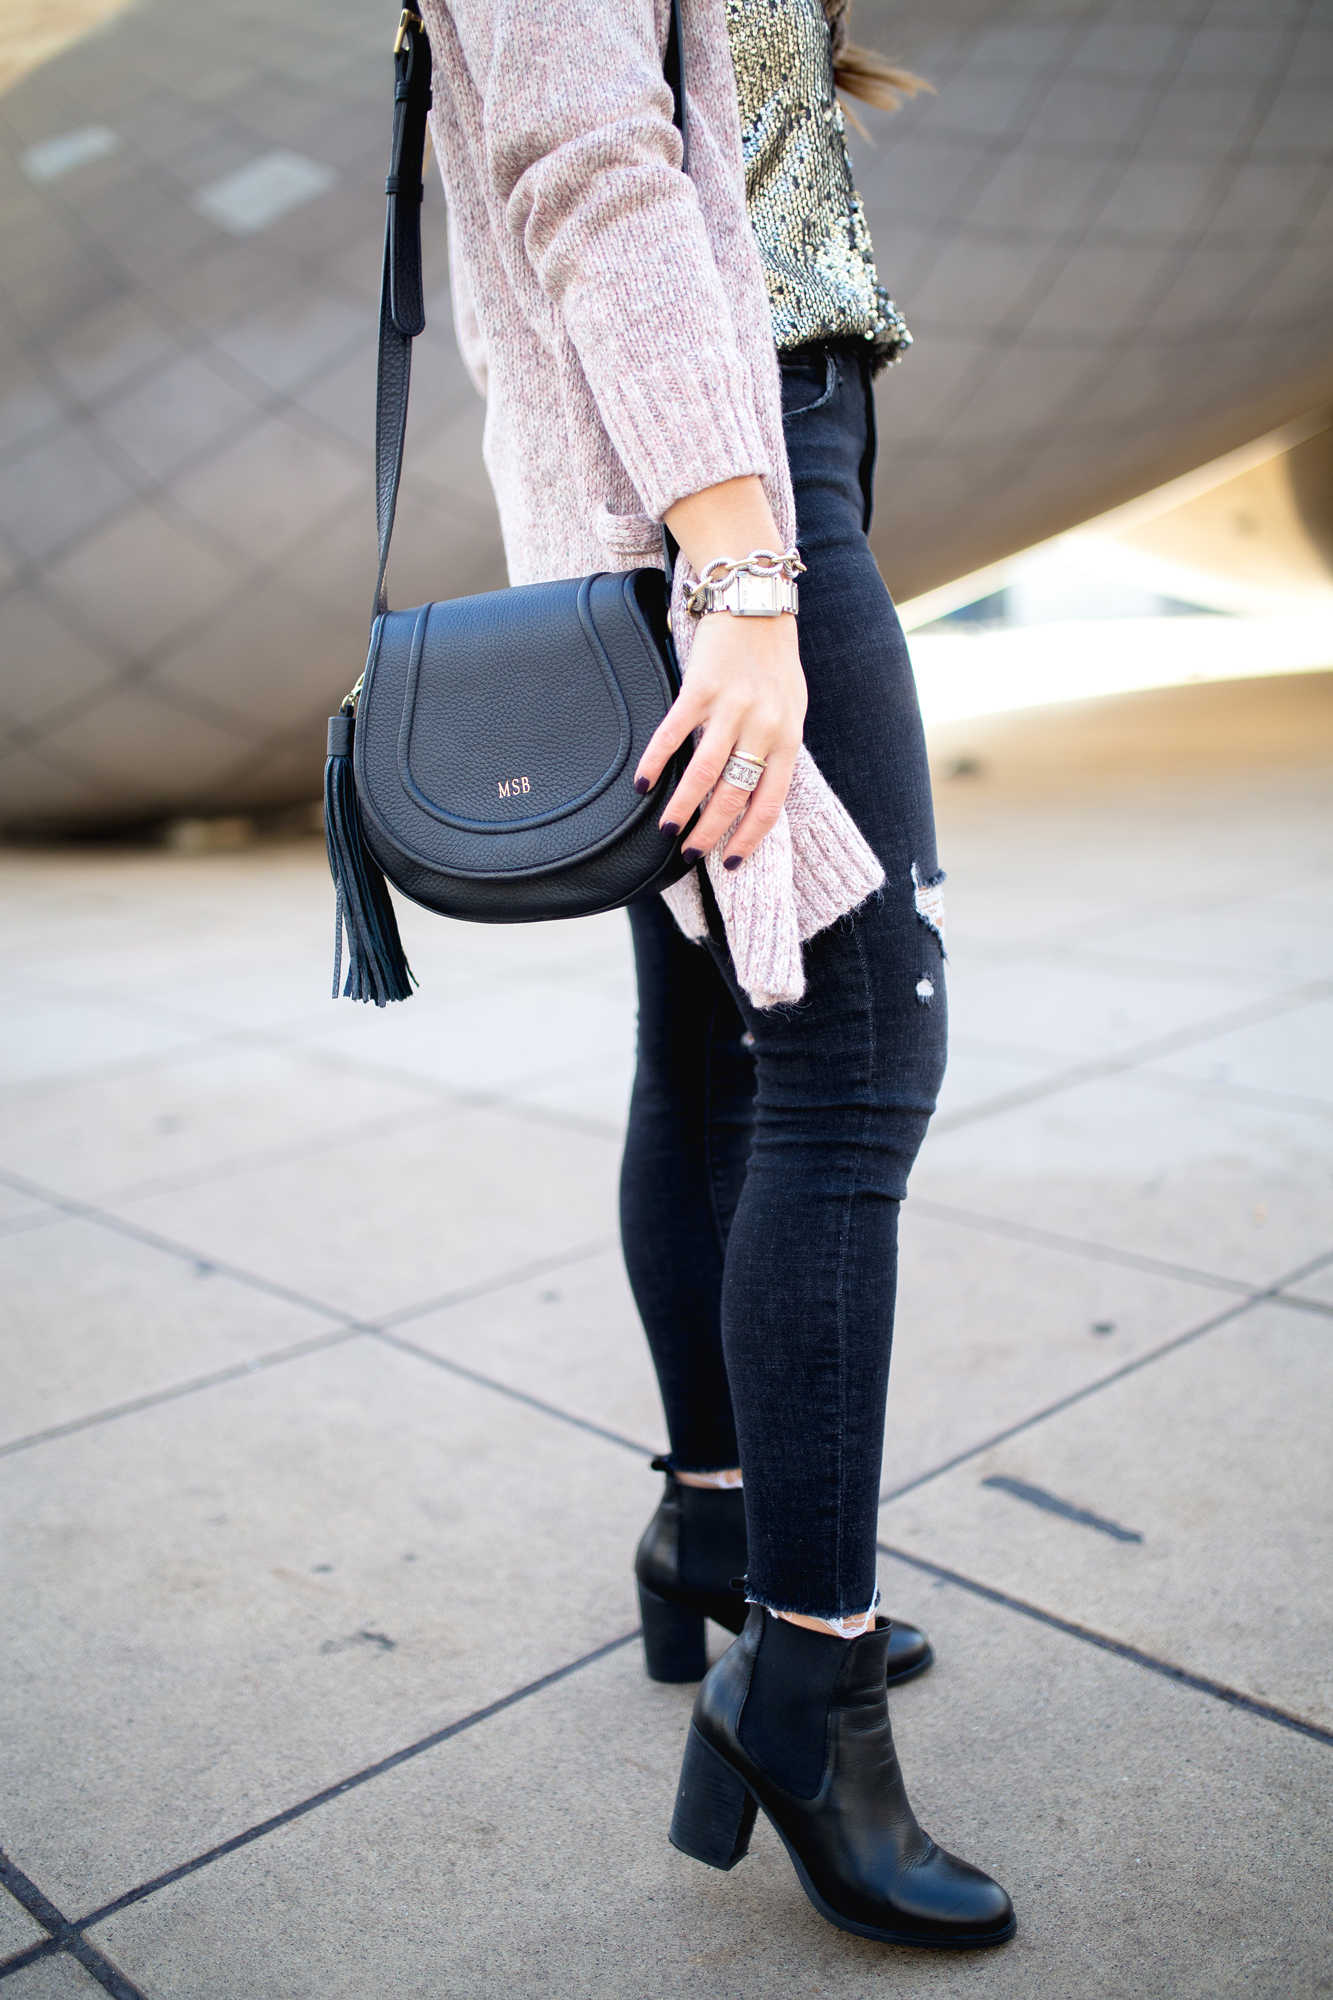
(614,314)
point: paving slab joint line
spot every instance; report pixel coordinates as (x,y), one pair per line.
(254,1365)
(1302,1304)
(498,1098)
(65,1937)
(1074,1246)
(109,1072)
(348,1324)
(1270,1295)
(320,1143)
(536,1267)
(1186,903)
(87,1211)
(1137,965)
(1229,1093)
(457,1368)
(117,1225)
(1123,1650)
(1097,1069)
(345,1785)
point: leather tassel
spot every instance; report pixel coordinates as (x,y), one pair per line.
(376,966)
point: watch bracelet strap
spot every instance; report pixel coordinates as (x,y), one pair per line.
(746,595)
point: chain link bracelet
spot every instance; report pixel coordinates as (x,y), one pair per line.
(760,585)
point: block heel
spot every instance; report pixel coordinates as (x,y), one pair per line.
(715,1811)
(673,1639)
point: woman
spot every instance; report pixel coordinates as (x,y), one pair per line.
(697,349)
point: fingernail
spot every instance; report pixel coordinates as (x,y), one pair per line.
(641,785)
(733,861)
(668,829)
(691,854)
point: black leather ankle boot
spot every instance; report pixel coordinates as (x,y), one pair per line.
(691,1551)
(798,1722)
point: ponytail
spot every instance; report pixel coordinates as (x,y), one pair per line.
(861,73)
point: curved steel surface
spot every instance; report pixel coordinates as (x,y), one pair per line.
(1109,231)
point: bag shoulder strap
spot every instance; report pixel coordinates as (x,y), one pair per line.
(402,306)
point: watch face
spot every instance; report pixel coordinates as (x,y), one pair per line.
(758,596)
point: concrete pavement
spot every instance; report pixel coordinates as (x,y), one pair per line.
(326,1418)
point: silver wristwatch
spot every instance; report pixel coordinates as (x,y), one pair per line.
(746,595)
(760,585)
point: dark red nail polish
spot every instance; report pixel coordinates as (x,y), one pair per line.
(668,829)
(733,861)
(641,785)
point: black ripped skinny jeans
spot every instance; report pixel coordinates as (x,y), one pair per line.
(768,1151)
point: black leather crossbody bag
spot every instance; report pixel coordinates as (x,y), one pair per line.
(485,761)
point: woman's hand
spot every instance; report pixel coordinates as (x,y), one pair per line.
(744,687)
(746,690)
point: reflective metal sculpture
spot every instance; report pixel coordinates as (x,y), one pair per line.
(1108,232)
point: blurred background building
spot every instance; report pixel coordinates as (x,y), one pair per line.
(1106,464)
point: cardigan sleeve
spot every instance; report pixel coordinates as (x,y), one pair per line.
(583,163)
(467,326)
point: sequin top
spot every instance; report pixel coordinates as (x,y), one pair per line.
(806,213)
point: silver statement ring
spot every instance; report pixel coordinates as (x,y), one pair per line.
(743,771)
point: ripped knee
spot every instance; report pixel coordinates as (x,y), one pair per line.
(928,899)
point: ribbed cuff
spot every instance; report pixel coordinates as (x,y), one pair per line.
(758,909)
(834,868)
(684,423)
